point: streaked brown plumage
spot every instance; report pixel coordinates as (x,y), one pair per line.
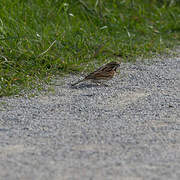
(105,73)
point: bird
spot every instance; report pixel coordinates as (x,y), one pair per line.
(104,73)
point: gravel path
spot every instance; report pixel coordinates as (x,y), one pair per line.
(130,131)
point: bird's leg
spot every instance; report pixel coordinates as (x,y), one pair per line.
(98,83)
(104,84)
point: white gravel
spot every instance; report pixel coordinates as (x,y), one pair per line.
(128,131)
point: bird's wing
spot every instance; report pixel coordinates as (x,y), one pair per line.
(101,73)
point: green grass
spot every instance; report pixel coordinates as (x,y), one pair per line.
(42,38)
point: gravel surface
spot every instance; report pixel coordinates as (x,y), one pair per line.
(130,131)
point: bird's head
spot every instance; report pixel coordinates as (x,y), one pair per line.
(114,65)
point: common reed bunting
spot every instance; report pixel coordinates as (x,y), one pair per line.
(104,73)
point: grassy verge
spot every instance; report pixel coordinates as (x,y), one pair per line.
(40,38)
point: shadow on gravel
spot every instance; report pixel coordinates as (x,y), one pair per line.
(82,86)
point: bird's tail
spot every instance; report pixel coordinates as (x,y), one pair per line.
(77,82)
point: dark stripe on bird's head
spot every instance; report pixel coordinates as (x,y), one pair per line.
(113,65)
